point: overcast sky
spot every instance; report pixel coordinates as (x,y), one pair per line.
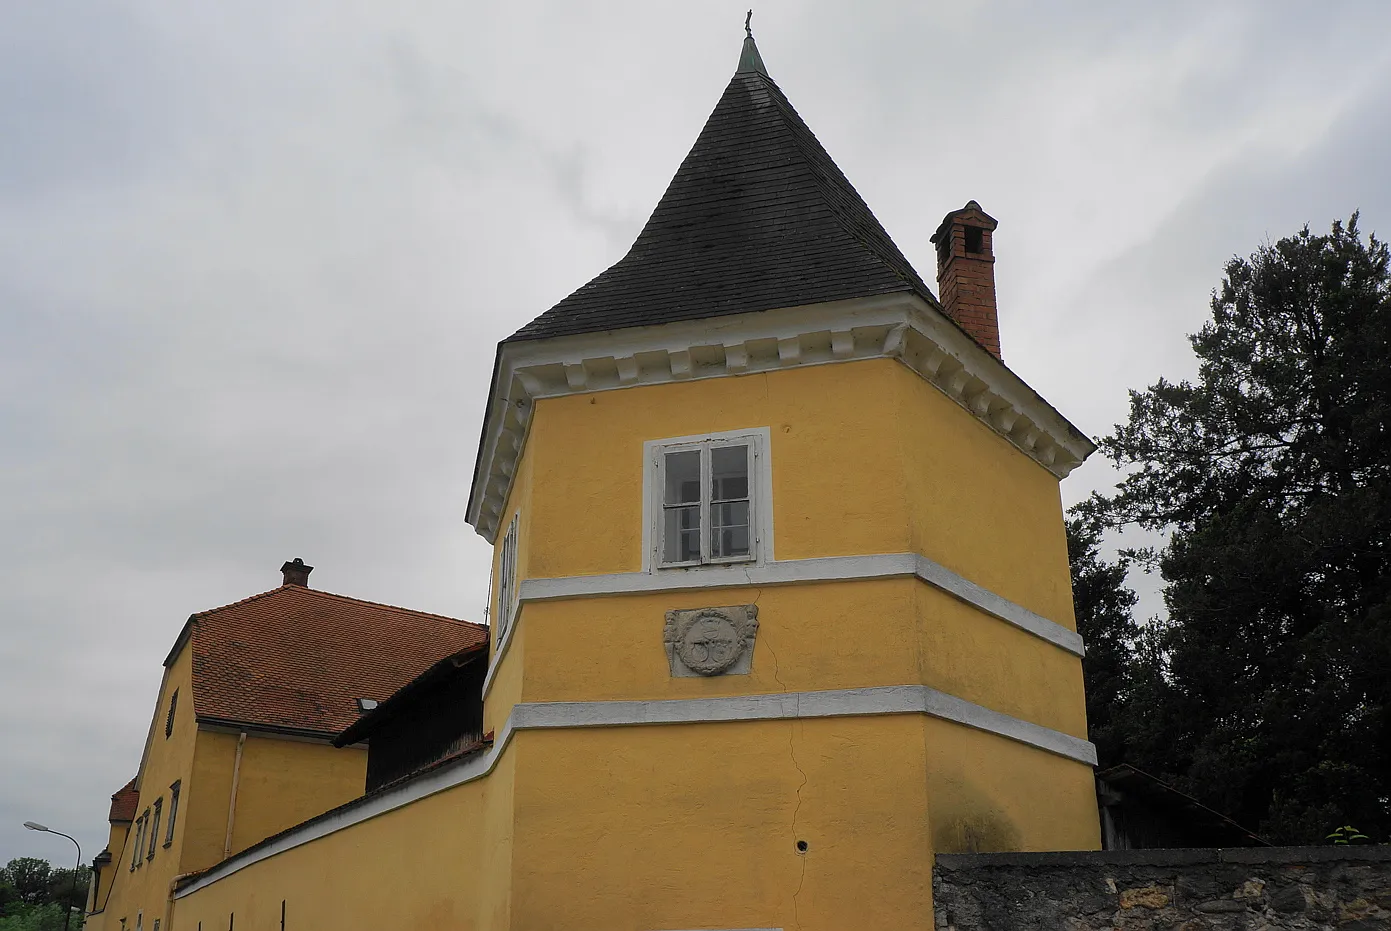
(254,259)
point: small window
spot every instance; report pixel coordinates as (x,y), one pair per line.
(169,719)
(173,812)
(507,581)
(975,240)
(137,834)
(704,506)
(154,829)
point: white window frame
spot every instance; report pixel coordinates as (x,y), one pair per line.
(507,586)
(174,790)
(758,439)
(137,833)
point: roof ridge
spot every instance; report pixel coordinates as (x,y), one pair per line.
(391,607)
(812,155)
(236,604)
(327,594)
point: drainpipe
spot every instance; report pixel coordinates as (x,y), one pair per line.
(232,798)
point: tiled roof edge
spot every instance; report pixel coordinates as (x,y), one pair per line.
(319,592)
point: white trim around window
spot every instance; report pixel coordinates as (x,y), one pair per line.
(759,496)
(506,608)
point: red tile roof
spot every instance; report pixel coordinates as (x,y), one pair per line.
(124,803)
(298,659)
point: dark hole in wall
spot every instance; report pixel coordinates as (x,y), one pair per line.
(975,240)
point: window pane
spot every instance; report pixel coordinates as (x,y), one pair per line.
(683,477)
(729,473)
(730,526)
(681,534)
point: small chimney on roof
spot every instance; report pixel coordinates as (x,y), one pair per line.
(966,273)
(296,572)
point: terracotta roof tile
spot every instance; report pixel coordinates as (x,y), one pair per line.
(125,803)
(296,658)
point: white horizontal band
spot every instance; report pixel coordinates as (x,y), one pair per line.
(786,572)
(905,699)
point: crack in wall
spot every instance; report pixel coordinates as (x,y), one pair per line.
(792,754)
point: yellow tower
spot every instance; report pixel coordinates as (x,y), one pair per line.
(781,600)
(781,595)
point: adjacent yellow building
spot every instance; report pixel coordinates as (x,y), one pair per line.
(781,601)
(240,743)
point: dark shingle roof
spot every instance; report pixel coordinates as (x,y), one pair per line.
(758,217)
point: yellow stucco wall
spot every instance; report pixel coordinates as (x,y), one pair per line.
(694,825)
(989,793)
(852,444)
(144,892)
(115,843)
(281,783)
(442,862)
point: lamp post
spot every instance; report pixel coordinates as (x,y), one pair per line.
(35,826)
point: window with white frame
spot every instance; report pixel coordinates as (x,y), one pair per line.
(506,580)
(154,827)
(137,833)
(173,811)
(705,501)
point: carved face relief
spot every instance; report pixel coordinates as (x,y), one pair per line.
(710,641)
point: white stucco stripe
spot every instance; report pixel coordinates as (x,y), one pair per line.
(894,699)
(898,699)
(825,569)
(940,576)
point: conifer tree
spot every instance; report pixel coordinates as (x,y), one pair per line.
(1267,691)
(1103,606)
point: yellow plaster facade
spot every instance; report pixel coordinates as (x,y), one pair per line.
(914,684)
(280,782)
(695,825)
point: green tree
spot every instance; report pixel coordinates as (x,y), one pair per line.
(47,917)
(30,877)
(68,886)
(1267,692)
(1103,606)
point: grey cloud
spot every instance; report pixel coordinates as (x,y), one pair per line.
(254,259)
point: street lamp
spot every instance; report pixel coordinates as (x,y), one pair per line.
(35,826)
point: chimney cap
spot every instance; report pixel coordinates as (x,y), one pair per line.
(296,572)
(971,208)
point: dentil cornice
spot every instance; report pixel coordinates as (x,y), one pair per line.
(897,326)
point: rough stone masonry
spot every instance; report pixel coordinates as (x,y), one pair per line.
(1252,888)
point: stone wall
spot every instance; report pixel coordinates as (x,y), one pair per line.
(1251,888)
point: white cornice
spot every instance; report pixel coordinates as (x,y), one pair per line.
(897,326)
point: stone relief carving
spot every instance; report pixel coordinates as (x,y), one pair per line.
(711,641)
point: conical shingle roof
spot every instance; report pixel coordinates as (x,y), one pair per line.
(757,217)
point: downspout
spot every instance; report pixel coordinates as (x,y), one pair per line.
(232,798)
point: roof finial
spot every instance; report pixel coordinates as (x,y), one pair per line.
(749,59)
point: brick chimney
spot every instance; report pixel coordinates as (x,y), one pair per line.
(966,273)
(296,572)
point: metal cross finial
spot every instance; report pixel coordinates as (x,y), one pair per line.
(748,30)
